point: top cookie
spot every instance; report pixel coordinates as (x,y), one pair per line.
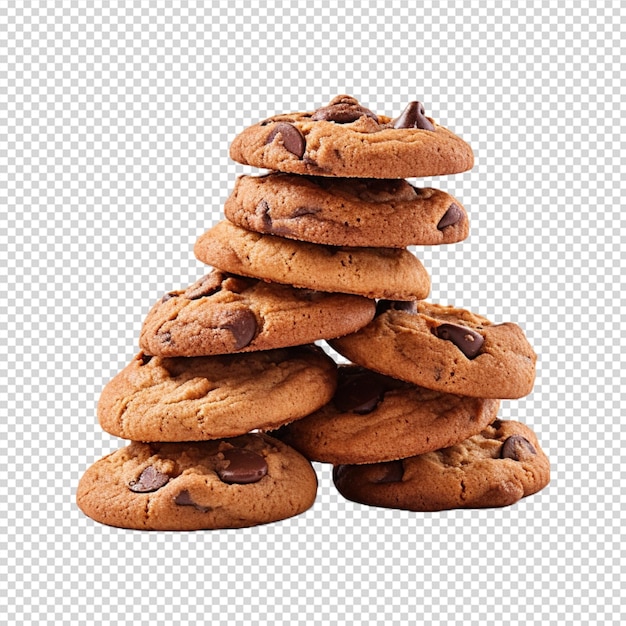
(346,139)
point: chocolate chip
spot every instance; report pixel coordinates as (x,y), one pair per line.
(409,306)
(263,211)
(388,472)
(468,341)
(168,296)
(339,471)
(392,472)
(242,324)
(293,140)
(242,466)
(358,392)
(206,286)
(149,480)
(145,358)
(517,448)
(413,116)
(165,337)
(184,499)
(340,115)
(267,225)
(451,216)
(342,110)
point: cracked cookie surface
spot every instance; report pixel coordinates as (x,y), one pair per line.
(222,314)
(198,398)
(346,212)
(495,468)
(374,418)
(345,139)
(231,483)
(447,349)
(369,272)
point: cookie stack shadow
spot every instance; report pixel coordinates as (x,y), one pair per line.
(230,400)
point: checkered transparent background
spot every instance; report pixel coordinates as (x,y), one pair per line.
(116,119)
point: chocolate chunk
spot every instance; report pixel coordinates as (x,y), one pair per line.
(410,306)
(242,324)
(206,286)
(293,140)
(149,480)
(242,466)
(169,296)
(468,341)
(145,358)
(358,392)
(517,448)
(342,110)
(184,499)
(451,216)
(413,116)
(392,472)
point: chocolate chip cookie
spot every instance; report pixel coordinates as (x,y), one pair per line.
(198,398)
(444,348)
(222,313)
(348,140)
(374,418)
(232,483)
(371,272)
(495,468)
(364,212)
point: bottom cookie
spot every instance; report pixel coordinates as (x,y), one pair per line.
(498,467)
(229,483)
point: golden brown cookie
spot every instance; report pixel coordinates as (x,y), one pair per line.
(365,212)
(446,349)
(222,313)
(371,272)
(497,467)
(374,418)
(348,140)
(198,398)
(232,483)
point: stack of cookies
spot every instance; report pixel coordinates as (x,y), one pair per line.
(229,400)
